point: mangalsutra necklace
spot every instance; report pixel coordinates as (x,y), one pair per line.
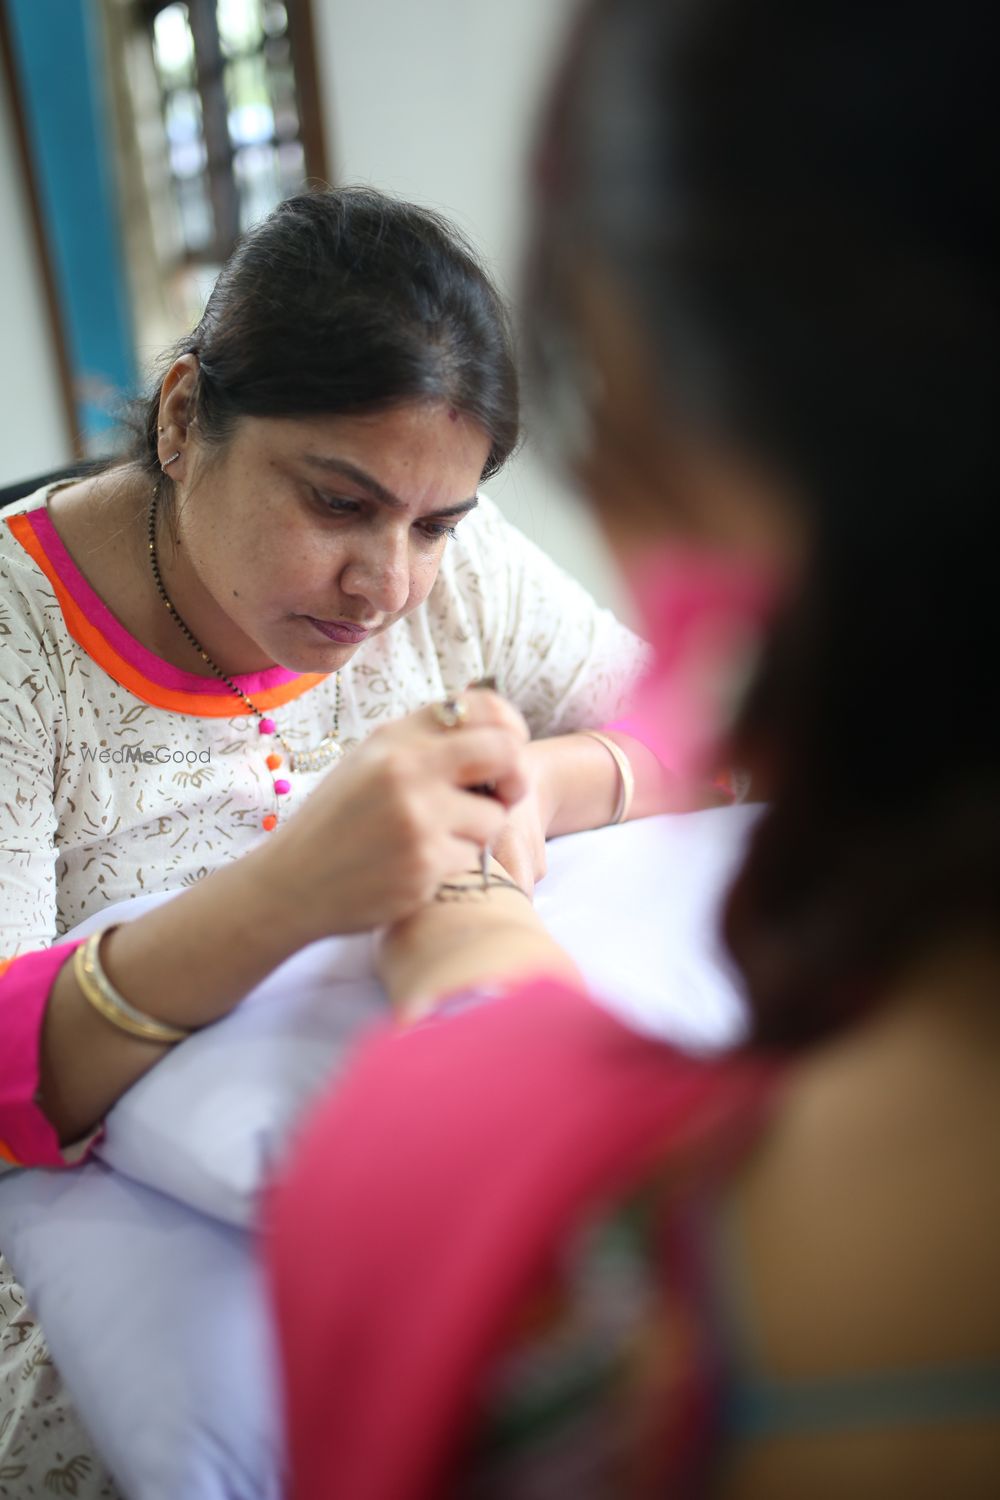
(316,759)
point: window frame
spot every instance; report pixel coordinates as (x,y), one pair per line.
(223,191)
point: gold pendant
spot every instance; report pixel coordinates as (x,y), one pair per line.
(317,759)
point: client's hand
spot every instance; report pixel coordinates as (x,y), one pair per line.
(466,938)
(396,818)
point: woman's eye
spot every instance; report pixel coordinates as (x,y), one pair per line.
(435,530)
(337,504)
(342,505)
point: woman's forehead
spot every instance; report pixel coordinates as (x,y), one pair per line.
(401,455)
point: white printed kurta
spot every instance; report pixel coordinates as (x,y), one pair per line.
(114,782)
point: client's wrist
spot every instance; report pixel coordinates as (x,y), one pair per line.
(477,886)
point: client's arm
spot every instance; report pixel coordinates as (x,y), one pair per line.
(466,938)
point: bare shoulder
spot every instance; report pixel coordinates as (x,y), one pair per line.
(868,1223)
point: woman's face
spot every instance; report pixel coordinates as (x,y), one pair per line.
(650,476)
(709,547)
(311,534)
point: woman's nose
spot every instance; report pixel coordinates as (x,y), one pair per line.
(380,575)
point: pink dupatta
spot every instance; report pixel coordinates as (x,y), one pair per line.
(425,1199)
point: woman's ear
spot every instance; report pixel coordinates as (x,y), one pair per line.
(177,405)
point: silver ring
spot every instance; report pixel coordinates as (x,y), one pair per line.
(451,714)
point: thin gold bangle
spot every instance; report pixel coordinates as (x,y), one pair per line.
(99,992)
(625,772)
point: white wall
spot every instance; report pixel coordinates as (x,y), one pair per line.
(437,100)
(33,435)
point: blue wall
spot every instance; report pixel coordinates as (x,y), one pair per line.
(58,59)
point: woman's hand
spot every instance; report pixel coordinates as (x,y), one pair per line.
(574,784)
(396,818)
(520,848)
(371,846)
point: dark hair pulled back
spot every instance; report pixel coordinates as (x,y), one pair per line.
(796,198)
(348,300)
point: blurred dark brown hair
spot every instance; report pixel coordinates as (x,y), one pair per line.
(798,201)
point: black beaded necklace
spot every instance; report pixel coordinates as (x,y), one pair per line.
(318,758)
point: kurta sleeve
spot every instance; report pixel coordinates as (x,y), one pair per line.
(564,660)
(30,958)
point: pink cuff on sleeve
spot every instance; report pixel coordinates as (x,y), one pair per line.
(636,729)
(731,785)
(27,1137)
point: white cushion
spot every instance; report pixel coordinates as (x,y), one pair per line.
(157,1321)
(154,1311)
(635,906)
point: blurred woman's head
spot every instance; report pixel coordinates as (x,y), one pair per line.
(764,318)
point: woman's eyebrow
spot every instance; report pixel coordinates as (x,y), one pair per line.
(377,490)
(461,509)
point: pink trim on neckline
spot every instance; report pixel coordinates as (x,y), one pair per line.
(133,651)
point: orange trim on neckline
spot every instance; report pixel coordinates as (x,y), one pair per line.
(100,650)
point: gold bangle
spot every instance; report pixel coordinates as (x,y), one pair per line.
(625,772)
(99,992)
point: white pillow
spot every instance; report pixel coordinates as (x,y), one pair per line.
(155,1313)
(635,906)
(158,1323)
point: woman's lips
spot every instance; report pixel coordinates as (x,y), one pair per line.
(340,630)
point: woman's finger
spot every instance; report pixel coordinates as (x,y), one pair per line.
(514,853)
(476,708)
(465,815)
(478,757)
